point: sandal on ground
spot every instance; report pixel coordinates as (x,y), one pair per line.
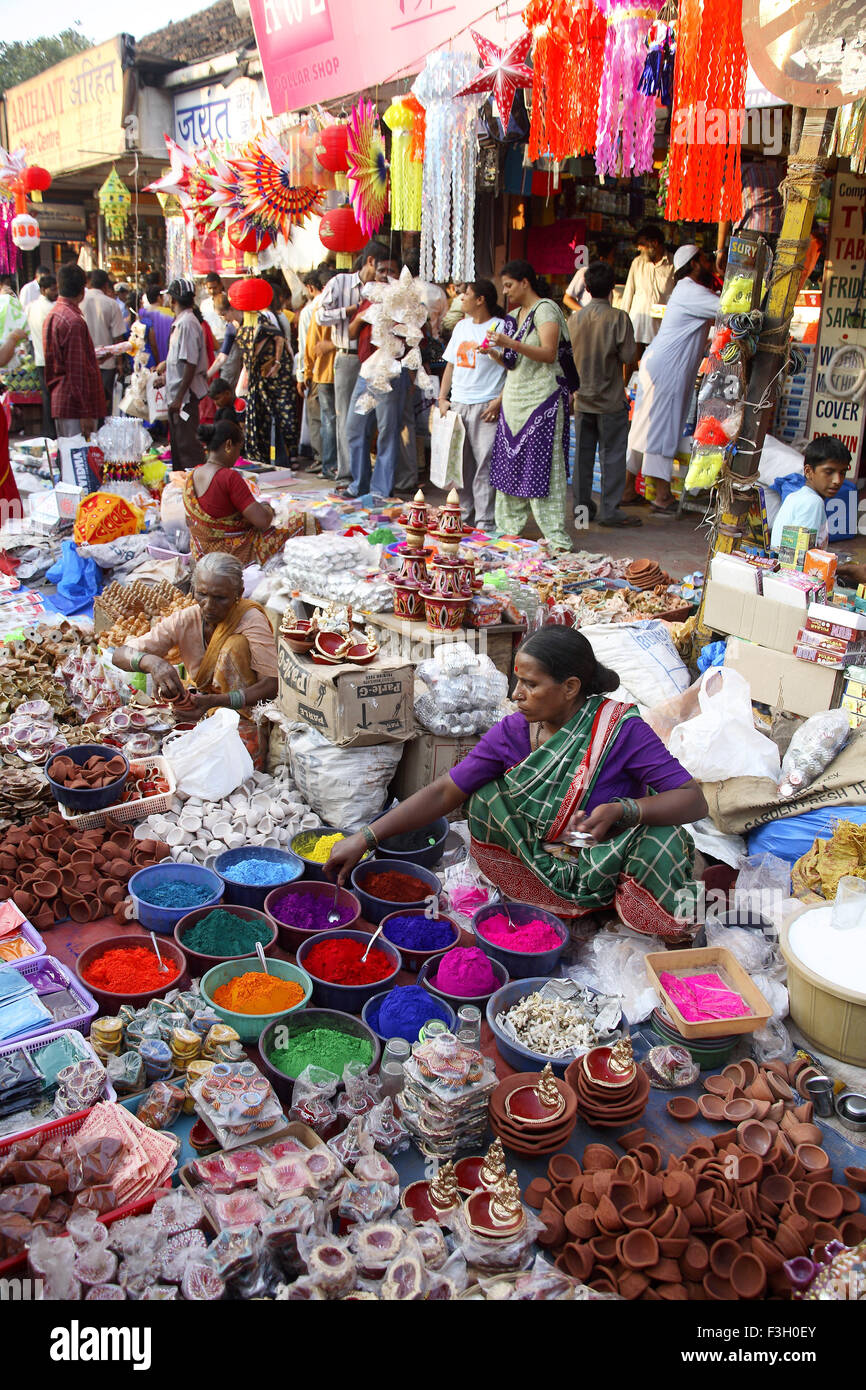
(670,510)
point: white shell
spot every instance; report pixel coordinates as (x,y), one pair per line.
(235,839)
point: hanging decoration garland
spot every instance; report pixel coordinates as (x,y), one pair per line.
(176,181)
(406,169)
(625,133)
(115,201)
(268,200)
(567,65)
(503,71)
(8,249)
(849,134)
(367,168)
(450,154)
(709,86)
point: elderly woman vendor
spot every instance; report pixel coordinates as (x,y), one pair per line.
(226,644)
(569,760)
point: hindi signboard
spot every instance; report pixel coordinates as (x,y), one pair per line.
(71,115)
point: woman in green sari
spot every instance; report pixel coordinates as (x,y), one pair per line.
(574,804)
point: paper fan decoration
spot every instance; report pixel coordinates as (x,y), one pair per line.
(267,198)
(367,168)
(504,70)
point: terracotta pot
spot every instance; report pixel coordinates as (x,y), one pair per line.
(788,1240)
(759,1089)
(562,1167)
(44,890)
(561,1196)
(736,1111)
(634,1217)
(79,910)
(754,1137)
(701,1148)
(632,1284)
(650,1157)
(649,1190)
(719,1086)
(769,1256)
(603,1249)
(680,1189)
(853,1229)
(578,1260)
(776,1111)
(682,1108)
(802,1077)
(44,919)
(778,1189)
(824,1231)
(631,1139)
(717,1290)
(800,1133)
(748,1276)
(673,1249)
(749,1168)
(554,1232)
(608,1219)
(577,1186)
(695,1217)
(804,1112)
(622,1194)
(628,1168)
(733,1227)
(735,1073)
(602,1285)
(638,1249)
(580,1222)
(664,1271)
(850,1201)
(824,1202)
(778,1084)
(601,1181)
(712,1107)
(664,1224)
(812,1158)
(597,1156)
(535,1193)
(680,1227)
(695,1260)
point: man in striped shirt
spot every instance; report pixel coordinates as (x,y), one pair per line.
(336,309)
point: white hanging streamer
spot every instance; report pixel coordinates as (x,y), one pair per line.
(450,153)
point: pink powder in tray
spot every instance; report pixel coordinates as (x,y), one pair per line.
(702,998)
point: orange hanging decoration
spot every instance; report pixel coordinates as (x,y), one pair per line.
(704,183)
(567,63)
(419,126)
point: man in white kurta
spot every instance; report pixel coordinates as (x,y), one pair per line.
(667,375)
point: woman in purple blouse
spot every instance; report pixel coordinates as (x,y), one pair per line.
(574,804)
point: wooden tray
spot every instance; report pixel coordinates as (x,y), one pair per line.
(701,961)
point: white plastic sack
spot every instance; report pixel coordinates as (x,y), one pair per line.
(210,760)
(643,656)
(614,962)
(345,786)
(722,740)
(447,433)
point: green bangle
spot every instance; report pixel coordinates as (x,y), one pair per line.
(237,699)
(370,837)
(135,661)
(631,815)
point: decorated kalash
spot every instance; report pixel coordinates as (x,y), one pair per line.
(437,590)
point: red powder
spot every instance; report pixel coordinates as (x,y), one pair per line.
(130,970)
(392,887)
(339,962)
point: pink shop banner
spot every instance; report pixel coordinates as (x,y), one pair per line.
(316,50)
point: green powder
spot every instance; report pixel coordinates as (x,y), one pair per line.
(321,1047)
(221,933)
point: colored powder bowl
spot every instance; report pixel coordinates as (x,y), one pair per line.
(419,933)
(222,933)
(308,911)
(403,1012)
(256,873)
(321,1047)
(315,847)
(129,970)
(339,962)
(393,887)
(535,935)
(257,993)
(465,971)
(175,893)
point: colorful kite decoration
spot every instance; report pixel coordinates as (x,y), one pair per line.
(503,71)
(266,198)
(176,181)
(367,168)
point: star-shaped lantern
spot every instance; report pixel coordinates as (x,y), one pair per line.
(503,72)
(176,181)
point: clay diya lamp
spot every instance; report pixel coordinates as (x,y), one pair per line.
(603,1249)
(631,1139)
(672,1249)
(735,1073)
(759,1089)
(628,1168)
(554,1232)
(633,1284)
(748,1168)
(802,1077)
(635,1217)
(788,1241)
(575,1260)
(856,1178)
(499,1214)
(824,1201)
(695,1260)
(712,1107)
(597,1157)
(777,1189)
(679,1189)
(723,1253)
(649,1190)
(663,1226)
(580,1221)
(650,1157)
(682,1108)
(812,1158)
(736,1111)
(539,1106)
(608,1218)
(638,1250)
(435,1198)
(561,1196)
(747,1276)
(612,1068)
(563,1168)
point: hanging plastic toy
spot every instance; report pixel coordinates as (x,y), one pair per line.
(567,66)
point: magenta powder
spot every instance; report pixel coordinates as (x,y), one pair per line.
(465,971)
(536,935)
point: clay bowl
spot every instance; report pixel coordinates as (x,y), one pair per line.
(789,1242)
(748,1276)
(638,1250)
(664,1225)
(850,1200)
(812,1158)
(759,1089)
(856,1178)
(754,1137)
(853,1229)
(682,1108)
(649,1190)
(650,1157)
(634,1217)
(712,1107)
(536,1193)
(824,1201)
(561,1196)
(719,1086)
(578,1225)
(736,1111)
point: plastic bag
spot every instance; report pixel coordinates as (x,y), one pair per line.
(794,836)
(613,963)
(764,875)
(210,760)
(722,741)
(663,718)
(77,580)
(812,749)
(447,433)
(345,786)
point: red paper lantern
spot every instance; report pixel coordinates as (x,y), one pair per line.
(331,148)
(339,231)
(35,179)
(250,241)
(250,294)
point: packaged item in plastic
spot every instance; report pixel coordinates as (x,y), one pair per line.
(92,1161)
(671,1067)
(330,1264)
(812,749)
(722,741)
(385,1129)
(161,1106)
(613,964)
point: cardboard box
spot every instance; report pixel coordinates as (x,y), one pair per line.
(779,680)
(353,706)
(795,543)
(427,757)
(753,617)
(825,619)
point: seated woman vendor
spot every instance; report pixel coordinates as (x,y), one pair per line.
(226,644)
(221,512)
(569,760)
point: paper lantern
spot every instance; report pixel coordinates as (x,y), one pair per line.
(35,179)
(25,231)
(250,295)
(331,147)
(339,231)
(249,240)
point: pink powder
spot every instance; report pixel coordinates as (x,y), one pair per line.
(536,935)
(465,971)
(701,998)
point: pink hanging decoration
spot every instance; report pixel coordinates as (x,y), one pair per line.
(626,116)
(8,249)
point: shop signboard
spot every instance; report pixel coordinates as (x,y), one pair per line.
(218,113)
(316,50)
(71,115)
(838,401)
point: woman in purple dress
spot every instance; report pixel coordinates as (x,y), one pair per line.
(574,804)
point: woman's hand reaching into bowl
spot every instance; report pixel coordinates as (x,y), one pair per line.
(344,856)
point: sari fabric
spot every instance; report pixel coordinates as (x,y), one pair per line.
(233,534)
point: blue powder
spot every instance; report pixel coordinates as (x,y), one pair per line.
(259,872)
(416,932)
(175,892)
(404,1011)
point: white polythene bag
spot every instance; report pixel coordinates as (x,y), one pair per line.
(210,760)
(722,740)
(643,656)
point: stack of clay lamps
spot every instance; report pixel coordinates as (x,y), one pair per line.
(53,873)
(718,1222)
(762,1103)
(23,793)
(611,1089)
(533,1112)
(646,574)
(28,672)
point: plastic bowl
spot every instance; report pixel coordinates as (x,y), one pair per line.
(426,858)
(429,969)
(521,965)
(249,1026)
(296,1022)
(165,919)
(314,872)
(374,909)
(349,999)
(254,894)
(372,1004)
(108,1001)
(414,959)
(291,938)
(198,961)
(520,1058)
(94,798)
